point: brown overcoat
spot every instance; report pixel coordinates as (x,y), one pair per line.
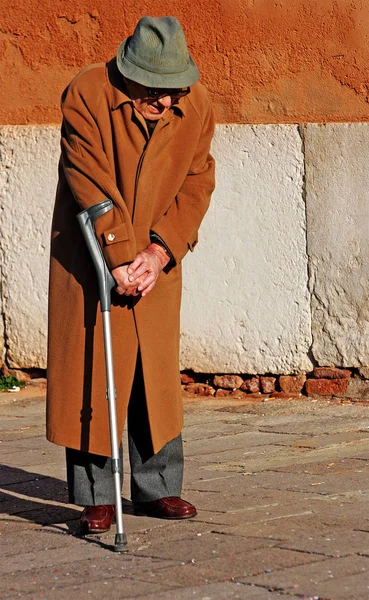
(160,184)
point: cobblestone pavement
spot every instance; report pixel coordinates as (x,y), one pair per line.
(282,492)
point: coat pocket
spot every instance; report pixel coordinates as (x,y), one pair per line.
(116,234)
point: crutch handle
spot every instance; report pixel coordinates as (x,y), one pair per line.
(86,220)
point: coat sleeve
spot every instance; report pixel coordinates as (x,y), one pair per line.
(178,227)
(89,176)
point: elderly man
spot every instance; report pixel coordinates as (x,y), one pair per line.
(136,130)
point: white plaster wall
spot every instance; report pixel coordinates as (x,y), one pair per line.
(28,166)
(337,196)
(246,306)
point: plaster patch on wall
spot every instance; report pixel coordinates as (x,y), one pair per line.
(246,306)
(5,169)
(29,158)
(337,182)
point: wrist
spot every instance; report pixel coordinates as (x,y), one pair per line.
(159,251)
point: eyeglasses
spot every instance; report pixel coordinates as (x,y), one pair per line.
(174,93)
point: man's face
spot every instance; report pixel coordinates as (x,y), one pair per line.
(150,108)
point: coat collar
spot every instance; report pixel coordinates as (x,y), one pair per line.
(119,95)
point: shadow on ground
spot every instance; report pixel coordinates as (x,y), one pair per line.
(40,499)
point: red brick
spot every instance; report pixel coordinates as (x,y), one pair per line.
(292,384)
(239,394)
(267,384)
(286,396)
(39,382)
(223,393)
(251,385)
(22,376)
(200,389)
(325,387)
(331,373)
(228,382)
(186,379)
(5,371)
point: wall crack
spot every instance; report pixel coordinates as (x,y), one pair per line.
(301,132)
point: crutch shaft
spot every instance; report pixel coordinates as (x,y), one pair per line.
(106,283)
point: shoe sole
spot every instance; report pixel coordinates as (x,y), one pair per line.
(140,513)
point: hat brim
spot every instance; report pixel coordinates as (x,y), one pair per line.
(151,79)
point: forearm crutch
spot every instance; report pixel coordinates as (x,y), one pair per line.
(106,283)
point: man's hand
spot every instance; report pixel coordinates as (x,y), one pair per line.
(125,287)
(145,269)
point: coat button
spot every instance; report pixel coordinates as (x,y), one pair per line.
(111,237)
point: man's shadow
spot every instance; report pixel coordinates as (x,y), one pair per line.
(40,499)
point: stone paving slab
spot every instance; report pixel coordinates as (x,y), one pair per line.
(226,568)
(33,541)
(44,557)
(352,587)
(332,544)
(122,587)
(46,515)
(34,443)
(337,467)
(242,441)
(262,515)
(15,525)
(34,457)
(320,426)
(212,430)
(240,460)
(42,488)
(354,512)
(302,529)
(312,579)
(55,468)
(84,561)
(310,483)
(50,586)
(219,591)
(196,472)
(335,439)
(208,545)
(11,475)
(299,461)
(214,501)
(274,457)
(143,532)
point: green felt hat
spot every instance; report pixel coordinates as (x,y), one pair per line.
(156,55)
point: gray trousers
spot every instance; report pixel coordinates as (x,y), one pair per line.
(153,476)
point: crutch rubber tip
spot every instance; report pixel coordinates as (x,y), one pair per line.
(120,543)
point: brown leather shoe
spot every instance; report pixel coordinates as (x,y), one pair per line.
(172,507)
(97,519)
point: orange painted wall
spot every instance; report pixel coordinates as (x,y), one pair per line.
(264,61)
